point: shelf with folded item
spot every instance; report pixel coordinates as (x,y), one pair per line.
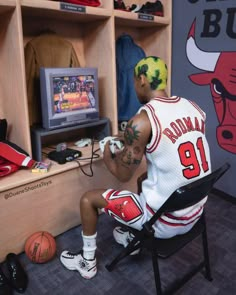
(139,19)
(64,11)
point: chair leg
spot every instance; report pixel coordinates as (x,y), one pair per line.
(206,256)
(156,273)
(132,246)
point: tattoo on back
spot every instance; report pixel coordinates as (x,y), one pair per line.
(131,133)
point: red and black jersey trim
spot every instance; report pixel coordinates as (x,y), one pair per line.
(171,216)
(178,224)
(173,99)
(157,139)
(199,109)
(183,220)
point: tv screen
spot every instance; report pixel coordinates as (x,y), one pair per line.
(69,96)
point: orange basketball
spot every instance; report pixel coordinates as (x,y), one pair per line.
(40,247)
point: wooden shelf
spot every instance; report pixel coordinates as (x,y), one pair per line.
(50,201)
(7,6)
(39,136)
(24,176)
(7,3)
(139,19)
(50,9)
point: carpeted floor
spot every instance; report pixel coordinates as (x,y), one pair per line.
(134,275)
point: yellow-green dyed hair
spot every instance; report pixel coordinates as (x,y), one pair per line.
(155,70)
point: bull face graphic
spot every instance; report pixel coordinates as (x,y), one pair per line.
(220,74)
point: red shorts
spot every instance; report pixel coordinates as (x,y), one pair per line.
(131,209)
(126,207)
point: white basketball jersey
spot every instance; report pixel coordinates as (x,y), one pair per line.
(178,152)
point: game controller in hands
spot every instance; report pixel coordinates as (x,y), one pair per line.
(115,144)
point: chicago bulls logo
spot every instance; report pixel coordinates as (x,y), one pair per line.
(220,74)
(123,206)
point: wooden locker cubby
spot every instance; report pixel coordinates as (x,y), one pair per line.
(49,201)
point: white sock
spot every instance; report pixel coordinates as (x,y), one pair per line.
(89,246)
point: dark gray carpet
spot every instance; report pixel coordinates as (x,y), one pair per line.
(134,275)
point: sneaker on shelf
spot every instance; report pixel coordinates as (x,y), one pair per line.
(134,8)
(154,8)
(119,4)
(75,261)
(124,237)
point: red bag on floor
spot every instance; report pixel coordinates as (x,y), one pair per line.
(94,3)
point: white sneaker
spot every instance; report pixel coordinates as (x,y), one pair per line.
(124,237)
(75,261)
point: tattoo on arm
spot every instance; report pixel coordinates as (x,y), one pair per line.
(131,154)
(128,159)
(131,133)
(137,150)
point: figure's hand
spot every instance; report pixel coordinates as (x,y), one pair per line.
(108,157)
(115,144)
(107,152)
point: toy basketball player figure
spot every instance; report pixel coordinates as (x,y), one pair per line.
(170,133)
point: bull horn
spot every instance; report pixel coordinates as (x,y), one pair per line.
(202,60)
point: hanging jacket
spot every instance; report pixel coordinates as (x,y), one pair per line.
(46,50)
(127,55)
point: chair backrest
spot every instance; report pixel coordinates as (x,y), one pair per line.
(191,193)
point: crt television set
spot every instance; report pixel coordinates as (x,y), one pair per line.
(69,96)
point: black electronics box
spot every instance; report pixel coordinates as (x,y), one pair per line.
(64,156)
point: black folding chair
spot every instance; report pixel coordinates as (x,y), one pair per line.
(183,197)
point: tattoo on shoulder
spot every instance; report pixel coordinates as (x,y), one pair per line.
(131,133)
